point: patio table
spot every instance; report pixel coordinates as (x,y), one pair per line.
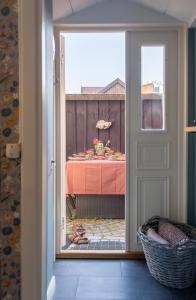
(95,177)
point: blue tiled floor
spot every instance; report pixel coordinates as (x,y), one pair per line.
(111,279)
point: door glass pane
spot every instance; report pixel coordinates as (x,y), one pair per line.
(152,88)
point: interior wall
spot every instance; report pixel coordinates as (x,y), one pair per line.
(9,169)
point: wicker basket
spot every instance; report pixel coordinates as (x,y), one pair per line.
(173,266)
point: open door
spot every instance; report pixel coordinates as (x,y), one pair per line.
(152,114)
(154,141)
(60,140)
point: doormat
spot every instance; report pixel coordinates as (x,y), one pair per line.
(99,245)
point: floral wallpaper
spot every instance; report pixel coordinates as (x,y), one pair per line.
(9,168)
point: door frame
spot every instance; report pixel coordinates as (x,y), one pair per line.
(59,140)
(182,140)
(31,24)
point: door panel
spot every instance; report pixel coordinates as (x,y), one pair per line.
(152,133)
(152,156)
(152,196)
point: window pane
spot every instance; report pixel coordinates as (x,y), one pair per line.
(152,88)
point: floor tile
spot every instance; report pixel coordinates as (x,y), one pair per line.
(65,286)
(88,268)
(134,267)
(139,269)
(189,293)
(151,296)
(118,288)
(82,298)
(135,297)
(112,279)
(150,286)
(64,298)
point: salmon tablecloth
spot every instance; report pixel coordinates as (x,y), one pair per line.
(95,177)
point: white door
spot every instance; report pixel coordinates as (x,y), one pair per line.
(152,128)
(60,140)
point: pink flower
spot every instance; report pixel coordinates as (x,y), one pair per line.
(95,141)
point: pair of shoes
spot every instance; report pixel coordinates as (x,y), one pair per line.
(78,239)
(78,227)
(78,236)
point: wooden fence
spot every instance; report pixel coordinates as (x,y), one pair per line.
(82,114)
(83,111)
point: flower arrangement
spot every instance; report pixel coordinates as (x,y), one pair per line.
(99,151)
(95,141)
(98,145)
(100,148)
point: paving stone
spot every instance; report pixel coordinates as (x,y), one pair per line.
(100,230)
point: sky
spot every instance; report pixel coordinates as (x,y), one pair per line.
(96,59)
(152,66)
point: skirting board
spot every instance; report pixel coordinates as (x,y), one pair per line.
(51,288)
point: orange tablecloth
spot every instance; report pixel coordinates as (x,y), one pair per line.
(95,177)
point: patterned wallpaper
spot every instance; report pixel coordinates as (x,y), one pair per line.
(9,169)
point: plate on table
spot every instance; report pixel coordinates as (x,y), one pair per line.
(76,158)
(99,157)
(120,158)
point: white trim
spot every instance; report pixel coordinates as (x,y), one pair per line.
(51,288)
(117,27)
(60,145)
(128,221)
(57,147)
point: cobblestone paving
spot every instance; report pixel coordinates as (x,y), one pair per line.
(100,231)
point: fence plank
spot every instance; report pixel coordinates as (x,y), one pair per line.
(104,115)
(152,114)
(147,114)
(122,126)
(115,131)
(81,119)
(70,128)
(82,115)
(80,126)
(92,118)
(156,114)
